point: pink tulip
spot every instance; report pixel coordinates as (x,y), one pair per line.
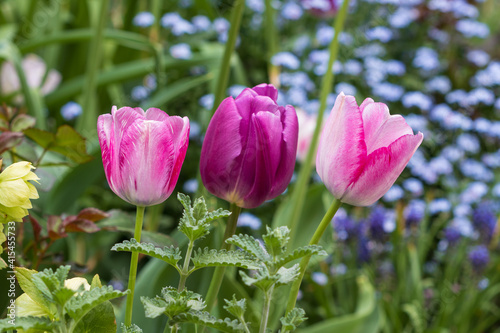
(363,150)
(307,125)
(142,153)
(248,153)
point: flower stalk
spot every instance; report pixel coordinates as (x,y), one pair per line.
(133,266)
(325,222)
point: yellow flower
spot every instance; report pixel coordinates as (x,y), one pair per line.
(16,191)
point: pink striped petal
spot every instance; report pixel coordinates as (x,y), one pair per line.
(382,168)
(180,133)
(342,150)
(382,129)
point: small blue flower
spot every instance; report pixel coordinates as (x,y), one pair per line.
(440,205)
(484,220)
(249,220)
(144,19)
(235,90)
(403,17)
(479,257)
(286,60)
(452,235)
(347,88)
(190,186)
(194,130)
(256,5)
(426,59)
(139,93)
(319,278)
(207,101)
(469,143)
(418,99)
(478,57)
(414,212)
(383,34)
(395,193)
(388,91)
(439,84)
(471,28)
(291,11)
(414,186)
(201,23)
(181,51)
(71,110)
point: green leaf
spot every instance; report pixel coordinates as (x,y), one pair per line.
(365,319)
(78,306)
(27,324)
(100,319)
(236,307)
(211,258)
(417,316)
(96,282)
(49,283)
(262,279)
(62,295)
(41,137)
(301,252)
(293,319)
(172,303)
(287,275)
(131,329)
(250,245)
(195,220)
(22,122)
(276,240)
(24,277)
(170,255)
(206,319)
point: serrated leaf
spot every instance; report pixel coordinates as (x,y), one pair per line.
(170,255)
(250,245)
(27,324)
(96,282)
(49,282)
(276,240)
(217,214)
(155,307)
(287,275)
(211,258)
(206,319)
(22,122)
(301,252)
(62,295)
(199,209)
(262,279)
(236,307)
(100,319)
(80,305)
(293,319)
(24,277)
(131,329)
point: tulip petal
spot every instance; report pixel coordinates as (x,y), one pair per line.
(288,152)
(180,134)
(146,159)
(342,149)
(382,129)
(221,147)
(383,167)
(106,134)
(156,114)
(268,90)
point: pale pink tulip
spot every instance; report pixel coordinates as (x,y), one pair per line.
(307,125)
(142,153)
(363,150)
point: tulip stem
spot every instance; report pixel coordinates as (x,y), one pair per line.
(299,193)
(216,282)
(325,222)
(265,310)
(225,64)
(185,268)
(133,266)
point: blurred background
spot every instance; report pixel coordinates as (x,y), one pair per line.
(423,259)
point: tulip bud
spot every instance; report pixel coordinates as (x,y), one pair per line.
(142,153)
(16,191)
(363,150)
(248,153)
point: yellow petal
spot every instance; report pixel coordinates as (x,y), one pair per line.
(33,191)
(14,213)
(31,176)
(15,171)
(14,192)
(75,283)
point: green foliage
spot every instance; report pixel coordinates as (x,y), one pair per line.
(195,220)
(172,303)
(250,245)
(236,307)
(276,240)
(293,319)
(206,319)
(66,141)
(304,251)
(27,324)
(79,305)
(211,258)
(76,310)
(170,255)
(131,329)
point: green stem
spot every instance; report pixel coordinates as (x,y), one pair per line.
(225,64)
(133,266)
(185,268)
(265,311)
(325,222)
(271,39)
(300,190)
(88,119)
(216,282)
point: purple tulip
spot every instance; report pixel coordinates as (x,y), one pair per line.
(248,153)
(142,153)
